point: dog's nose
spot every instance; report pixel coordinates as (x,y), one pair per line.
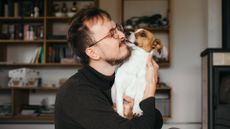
(127,33)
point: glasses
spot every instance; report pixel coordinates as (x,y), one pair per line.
(113,33)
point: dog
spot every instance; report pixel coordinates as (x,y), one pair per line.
(130,76)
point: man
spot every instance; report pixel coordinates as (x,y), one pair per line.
(84,101)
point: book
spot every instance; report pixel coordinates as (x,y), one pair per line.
(16,9)
(35,57)
(10,7)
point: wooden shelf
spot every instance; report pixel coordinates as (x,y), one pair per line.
(54,89)
(157,29)
(21,41)
(163,88)
(4,89)
(56,41)
(36,89)
(32,41)
(27,119)
(35,119)
(50,65)
(165,118)
(58,18)
(163,64)
(24,20)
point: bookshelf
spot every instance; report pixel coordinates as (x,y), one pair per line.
(21,26)
(29,29)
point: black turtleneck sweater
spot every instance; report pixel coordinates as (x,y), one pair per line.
(84,102)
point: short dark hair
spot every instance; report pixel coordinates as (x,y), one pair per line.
(79,35)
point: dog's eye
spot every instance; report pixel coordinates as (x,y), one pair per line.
(142,34)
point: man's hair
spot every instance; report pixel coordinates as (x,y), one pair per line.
(79,34)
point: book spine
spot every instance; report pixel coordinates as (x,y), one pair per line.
(16,9)
(26,32)
(6,10)
(10,8)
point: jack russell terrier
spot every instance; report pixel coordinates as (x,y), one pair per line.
(130,76)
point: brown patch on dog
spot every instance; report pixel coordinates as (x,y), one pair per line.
(147,40)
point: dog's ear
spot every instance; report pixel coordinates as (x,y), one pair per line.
(157,42)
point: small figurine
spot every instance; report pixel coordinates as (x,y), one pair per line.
(64,8)
(36,11)
(74,7)
(57,11)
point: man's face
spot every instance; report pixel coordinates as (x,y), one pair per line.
(111,47)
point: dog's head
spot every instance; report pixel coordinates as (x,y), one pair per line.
(147,40)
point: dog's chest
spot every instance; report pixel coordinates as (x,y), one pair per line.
(130,78)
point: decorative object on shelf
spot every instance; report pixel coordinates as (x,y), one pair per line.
(41,32)
(5,109)
(62,81)
(73,9)
(154,21)
(70,14)
(23,77)
(57,10)
(64,9)
(31,33)
(11,31)
(36,11)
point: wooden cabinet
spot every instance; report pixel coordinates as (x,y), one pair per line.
(153,15)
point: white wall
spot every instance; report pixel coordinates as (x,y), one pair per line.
(191,32)
(184,75)
(214,24)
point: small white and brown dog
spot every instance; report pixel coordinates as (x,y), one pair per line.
(130,76)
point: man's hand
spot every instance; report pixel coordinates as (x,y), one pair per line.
(128,103)
(151,77)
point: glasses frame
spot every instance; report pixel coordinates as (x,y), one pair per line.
(111,34)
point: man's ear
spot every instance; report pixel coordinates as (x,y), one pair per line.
(91,52)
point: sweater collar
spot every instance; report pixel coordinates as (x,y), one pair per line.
(98,79)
